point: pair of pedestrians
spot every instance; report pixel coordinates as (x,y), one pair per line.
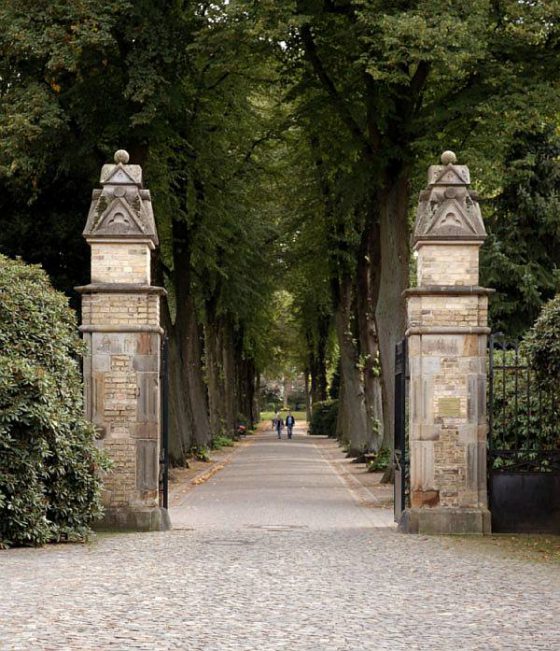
(278,424)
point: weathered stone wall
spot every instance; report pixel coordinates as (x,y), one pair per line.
(120,323)
(447,330)
(123,380)
(454,263)
(112,262)
(447,419)
(120,309)
(447,310)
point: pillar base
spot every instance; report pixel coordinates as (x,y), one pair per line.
(127,519)
(446,521)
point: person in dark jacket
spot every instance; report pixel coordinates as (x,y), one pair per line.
(278,424)
(290,422)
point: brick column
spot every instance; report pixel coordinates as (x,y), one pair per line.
(447,332)
(120,324)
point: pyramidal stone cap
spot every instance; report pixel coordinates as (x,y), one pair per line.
(447,208)
(121,173)
(122,208)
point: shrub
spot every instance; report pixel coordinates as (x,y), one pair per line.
(542,345)
(323,418)
(201,453)
(221,442)
(49,480)
(381,461)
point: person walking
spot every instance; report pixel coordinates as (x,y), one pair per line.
(290,422)
(278,424)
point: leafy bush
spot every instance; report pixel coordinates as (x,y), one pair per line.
(381,461)
(542,345)
(49,480)
(201,453)
(323,418)
(221,442)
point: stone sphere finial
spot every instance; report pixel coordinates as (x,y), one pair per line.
(448,158)
(121,156)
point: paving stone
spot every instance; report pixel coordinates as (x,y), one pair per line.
(275,552)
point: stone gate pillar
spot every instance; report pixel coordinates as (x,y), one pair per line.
(120,316)
(447,332)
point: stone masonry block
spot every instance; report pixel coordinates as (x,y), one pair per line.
(447,320)
(122,316)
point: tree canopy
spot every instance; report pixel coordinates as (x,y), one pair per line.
(284,144)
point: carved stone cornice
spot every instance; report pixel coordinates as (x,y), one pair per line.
(447,209)
(122,209)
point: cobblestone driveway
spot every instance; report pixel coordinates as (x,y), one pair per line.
(275,553)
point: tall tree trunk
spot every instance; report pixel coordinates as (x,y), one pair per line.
(317,358)
(214,375)
(323,327)
(341,413)
(286,391)
(246,391)
(230,396)
(394,278)
(315,392)
(180,433)
(249,391)
(187,335)
(353,423)
(308,406)
(369,346)
(257,397)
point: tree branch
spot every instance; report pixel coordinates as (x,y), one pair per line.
(218,81)
(418,82)
(329,86)
(373,129)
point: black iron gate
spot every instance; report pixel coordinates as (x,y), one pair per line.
(523,445)
(164,444)
(400,437)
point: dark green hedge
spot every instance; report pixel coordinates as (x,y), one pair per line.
(49,480)
(323,419)
(542,345)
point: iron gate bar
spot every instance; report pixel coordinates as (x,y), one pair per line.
(517,394)
(400,457)
(503,382)
(491,396)
(523,444)
(526,419)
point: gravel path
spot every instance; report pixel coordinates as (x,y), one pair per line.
(276,552)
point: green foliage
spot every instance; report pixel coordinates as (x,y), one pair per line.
(201,453)
(542,345)
(334,389)
(220,442)
(521,258)
(283,341)
(381,461)
(271,136)
(378,90)
(323,419)
(179,85)
(49,465)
